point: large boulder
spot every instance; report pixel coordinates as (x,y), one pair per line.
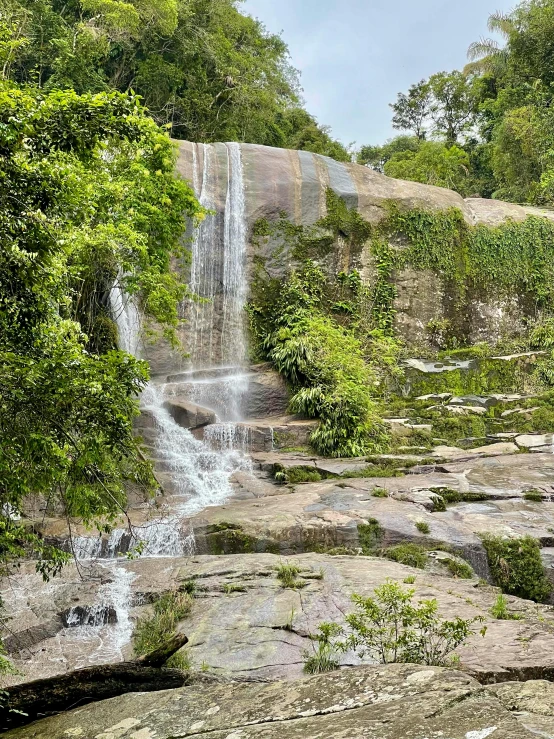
(381,702)
(295,183)
(188,414)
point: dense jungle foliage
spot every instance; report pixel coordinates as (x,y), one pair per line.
(202,68)
(486,130)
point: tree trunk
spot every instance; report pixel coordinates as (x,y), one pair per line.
(41,698)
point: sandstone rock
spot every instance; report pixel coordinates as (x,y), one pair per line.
(494,450)
(380,702)
(89,616)
(528,441)
(295,183)
(244,623)
(460,410)
(189,415)
(532,702)
(519,412)
(474,400)
(438,397)
(267,395)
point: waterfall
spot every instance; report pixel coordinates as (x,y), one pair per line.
(233,346)
(195,474)
(218,272)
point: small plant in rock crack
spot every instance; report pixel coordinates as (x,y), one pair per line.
(152,631)
(389,627)
(324,653)
(501,612)
(380,493)
(287,574)
(422,527)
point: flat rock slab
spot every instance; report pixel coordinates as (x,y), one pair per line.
(244,623)
(381,702)
(534,703)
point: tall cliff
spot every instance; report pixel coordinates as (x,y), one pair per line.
(245,185)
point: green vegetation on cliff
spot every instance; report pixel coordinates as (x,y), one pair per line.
(333,337)
(389,627)
(89,197)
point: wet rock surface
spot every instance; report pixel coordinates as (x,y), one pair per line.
(382,702)
(245,623)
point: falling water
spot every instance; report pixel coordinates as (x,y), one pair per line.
(233,346)
(218,273)
(195,473)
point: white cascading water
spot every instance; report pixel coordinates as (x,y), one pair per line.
(199,471)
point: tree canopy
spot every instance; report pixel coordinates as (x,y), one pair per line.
(201,67)
(498,110)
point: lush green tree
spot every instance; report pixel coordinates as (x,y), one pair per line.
(88,196)
(376,157)
(453,107)
(412,111)
(434,163)
(203,68)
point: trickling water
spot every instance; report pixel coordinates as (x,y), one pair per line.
(229,436)
(205,264)
(218,273)
(127,318)
(233,346)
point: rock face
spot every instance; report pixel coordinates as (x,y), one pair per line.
(189,415)
(244,623)
(278,181)
(383,702)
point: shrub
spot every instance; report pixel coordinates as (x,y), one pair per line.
(370,535)
(501,612)
(389,627)
(324,362)
(533,495)
(459,569)
(380,493)
(153,631)
(423,527)
(287,575)
(516,567)
(295,475)
(409,554)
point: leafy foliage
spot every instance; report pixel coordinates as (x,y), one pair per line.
(204,69)
(516,566)
(88,197)
(389,628)
(151,632)
(435,164)
(324,363)
(498,110)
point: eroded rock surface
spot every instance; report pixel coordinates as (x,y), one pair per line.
(245,623)
(383,702)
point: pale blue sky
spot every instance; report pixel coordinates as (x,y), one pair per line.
(356,55)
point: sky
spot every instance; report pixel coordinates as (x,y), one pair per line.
(356,55)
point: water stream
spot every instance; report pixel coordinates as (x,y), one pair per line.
(197,473)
